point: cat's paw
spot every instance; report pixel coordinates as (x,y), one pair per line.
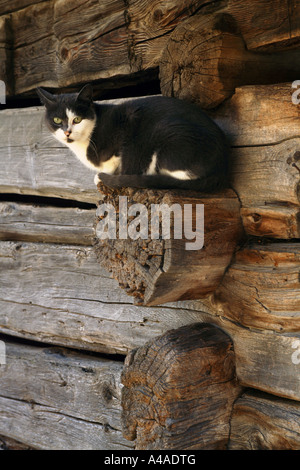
(97,179)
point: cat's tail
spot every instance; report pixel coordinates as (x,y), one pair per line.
(208,184)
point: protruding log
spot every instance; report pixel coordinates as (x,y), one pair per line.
(164,267)
(179,390)
(265,422)
(206,58)
(261,288)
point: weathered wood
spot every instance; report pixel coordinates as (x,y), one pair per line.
(252,168)
(38,423)
(261,288)
(6,56)
(259,115)
(60,295)
(112,39)
(265,359)
(55,387)
(41,223)
(263,127)
(14,5)
(165,267)
(262,171)
(33,162)
(11,444)
(263,422)
(206,58)
(267,25)
(274,222)
(179,390)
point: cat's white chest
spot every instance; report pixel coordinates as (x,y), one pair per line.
(80,150)
(109,166)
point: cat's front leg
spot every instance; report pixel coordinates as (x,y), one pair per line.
(97,179)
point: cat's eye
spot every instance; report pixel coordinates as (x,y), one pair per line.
(57,120)
(77,120)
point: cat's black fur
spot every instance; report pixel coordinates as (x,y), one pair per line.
(174,134)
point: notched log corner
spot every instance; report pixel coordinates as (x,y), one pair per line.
(179,389)
(161,268)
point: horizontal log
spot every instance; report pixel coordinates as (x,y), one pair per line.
(179,390)
(171,267)
(265,360)
(247,120)
(6,58)
(60,295)
(263,422)
(265,147)
(262,171)
(113,40)
(53,398)
(98,41)
(261,288)
(41,223)
(34,163)
(37,423)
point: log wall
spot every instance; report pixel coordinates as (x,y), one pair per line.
(66,324)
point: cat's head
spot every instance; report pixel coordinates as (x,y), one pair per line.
(71,116)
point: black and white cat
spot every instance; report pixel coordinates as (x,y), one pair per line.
(153,142)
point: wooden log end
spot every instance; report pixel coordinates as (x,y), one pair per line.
(161,267)
(179,390)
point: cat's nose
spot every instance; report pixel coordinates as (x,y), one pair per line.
(68,133)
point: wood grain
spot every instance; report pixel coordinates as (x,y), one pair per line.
(261,288)
(35,163)
(59,294)
(113,40)
(263,422)
(41,223)
(57,388)
(179,390)
(161,270)
(106,40)
(262,157)
(14,5)
(262,125)
(206,58)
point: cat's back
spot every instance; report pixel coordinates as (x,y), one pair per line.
(157,109)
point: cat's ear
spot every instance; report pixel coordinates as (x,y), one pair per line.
(86,93)
(46,98)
